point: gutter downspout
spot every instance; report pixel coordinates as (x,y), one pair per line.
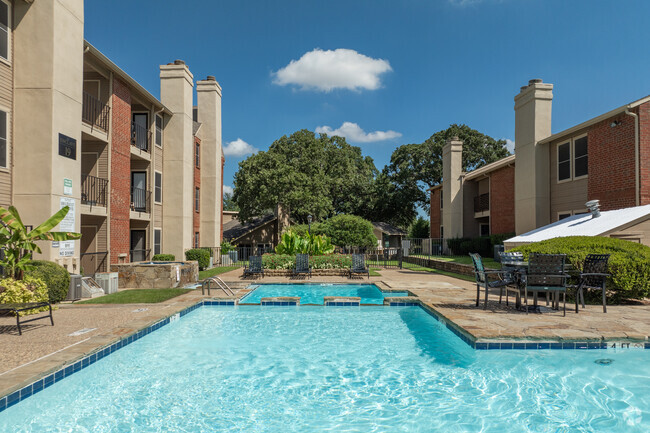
(636,156)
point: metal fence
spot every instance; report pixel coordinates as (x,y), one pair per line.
(425,247)
(140,255)
(140,137)
(94,191)
(95,112)
(91,263)
(140,200)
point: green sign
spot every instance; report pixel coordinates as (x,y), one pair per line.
(67,186)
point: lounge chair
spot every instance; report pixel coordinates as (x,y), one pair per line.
(25,306)
(359,265)
(546,274)
(490,279)
(302,265)
(593,276)
(255,266)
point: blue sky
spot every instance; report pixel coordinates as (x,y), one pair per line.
(399,70)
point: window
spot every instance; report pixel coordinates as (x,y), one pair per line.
(580,157)
(564,161)
(484,229)
(563,215)
(197,155)
(197,195)
(442,233)
(157,236)
(5,43)
(3,138)
(157,192)
(159,130)
(196,239)
(441,198)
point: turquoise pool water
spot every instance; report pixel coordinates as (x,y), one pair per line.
(314,293)
(337,369)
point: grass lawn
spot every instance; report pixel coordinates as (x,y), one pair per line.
(216,271)
(374,273)
(415,267)
(136,296)
(487,261)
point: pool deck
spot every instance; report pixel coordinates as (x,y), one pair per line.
(44,348)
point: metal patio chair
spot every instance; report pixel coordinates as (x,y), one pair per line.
(489,279)
(302,265)
(254,267)
(546,274)
(593,276)
(359,265)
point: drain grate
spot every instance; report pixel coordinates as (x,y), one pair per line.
(604,361)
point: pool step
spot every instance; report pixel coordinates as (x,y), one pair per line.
(341,301)
(283,301)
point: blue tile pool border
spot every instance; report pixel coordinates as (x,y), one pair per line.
(15,397)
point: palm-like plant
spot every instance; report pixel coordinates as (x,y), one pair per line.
(19,243)
(293,243)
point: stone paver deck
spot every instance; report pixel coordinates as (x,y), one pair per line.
(44,348)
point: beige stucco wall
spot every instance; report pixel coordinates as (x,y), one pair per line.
(48,99)
(452,192)
(532,124)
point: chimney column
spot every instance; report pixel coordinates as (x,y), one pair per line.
(452,188)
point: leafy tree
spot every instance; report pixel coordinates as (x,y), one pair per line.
(414,168)
(229,203)
(19,243)
(350,230)
(419,229)
(313,175)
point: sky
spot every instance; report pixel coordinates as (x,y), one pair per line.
(382,73)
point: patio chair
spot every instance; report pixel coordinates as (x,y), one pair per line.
(489,279)
(546,274)
(593,276)
(511,266)
(359,265)
(25,306)
(302,265)
(255,266)
(509,257)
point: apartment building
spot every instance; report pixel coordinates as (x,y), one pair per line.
(550,176)
(140,175)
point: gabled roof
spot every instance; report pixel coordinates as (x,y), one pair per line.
(584,225)
(488,168)
(388,229)
(234,229)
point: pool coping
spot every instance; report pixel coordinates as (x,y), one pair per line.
(35,383)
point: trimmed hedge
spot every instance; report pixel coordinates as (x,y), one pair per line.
(201,255)
(163,258)
(629,262)
(29,289)
(286,261)
(55,277)
(483,245)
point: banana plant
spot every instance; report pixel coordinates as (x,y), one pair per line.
(293,243)
(19,243)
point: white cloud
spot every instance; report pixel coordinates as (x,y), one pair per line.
(353,132)
(227,189)
(510,145)
(238,148)
(333,69)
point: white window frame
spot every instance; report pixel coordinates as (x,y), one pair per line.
(9,32)
(7,138)
(573,157)
(155,229)
(557,162)
(154,187)
(155,130)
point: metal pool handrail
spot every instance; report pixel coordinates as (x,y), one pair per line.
(221,283)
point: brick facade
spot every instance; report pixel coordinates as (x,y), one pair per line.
(223,164)
(435,215)
(502,200)
(644,151)
(197,184)
(120,181)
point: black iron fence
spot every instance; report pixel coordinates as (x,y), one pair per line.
(91,263)
(140,200)
(95,112)
(425,247)
(140,137)
(94,191)
(140,255)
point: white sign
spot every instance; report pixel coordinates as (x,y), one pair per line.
(67,186)
(68,223)
(66,248)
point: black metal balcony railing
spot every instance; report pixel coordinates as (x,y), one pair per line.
(140,200)
(95,112)
(91,263)
(94,191)
(140,137)
(140,255)
(482,203)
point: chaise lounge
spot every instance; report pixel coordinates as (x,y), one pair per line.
(20,307)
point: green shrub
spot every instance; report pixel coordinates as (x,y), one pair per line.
(164,258)
(279,261)
(629,262)
(419,229)
(350,231)
(226,247)
(288,261)
(29,289)
(200,255)
(303,229)
(483,245)
(55,277)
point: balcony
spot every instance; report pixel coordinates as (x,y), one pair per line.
(140,137)
(94,112)
(481,205)
(94,191)
(140,200)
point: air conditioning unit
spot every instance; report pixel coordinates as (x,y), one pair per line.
(107,281)
(74,293)
(90,288)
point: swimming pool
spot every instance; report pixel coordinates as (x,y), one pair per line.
(374,369)
(314,293)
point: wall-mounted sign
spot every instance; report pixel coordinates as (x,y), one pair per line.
(66,248)
(68,223)
(67,186)
(67,146)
